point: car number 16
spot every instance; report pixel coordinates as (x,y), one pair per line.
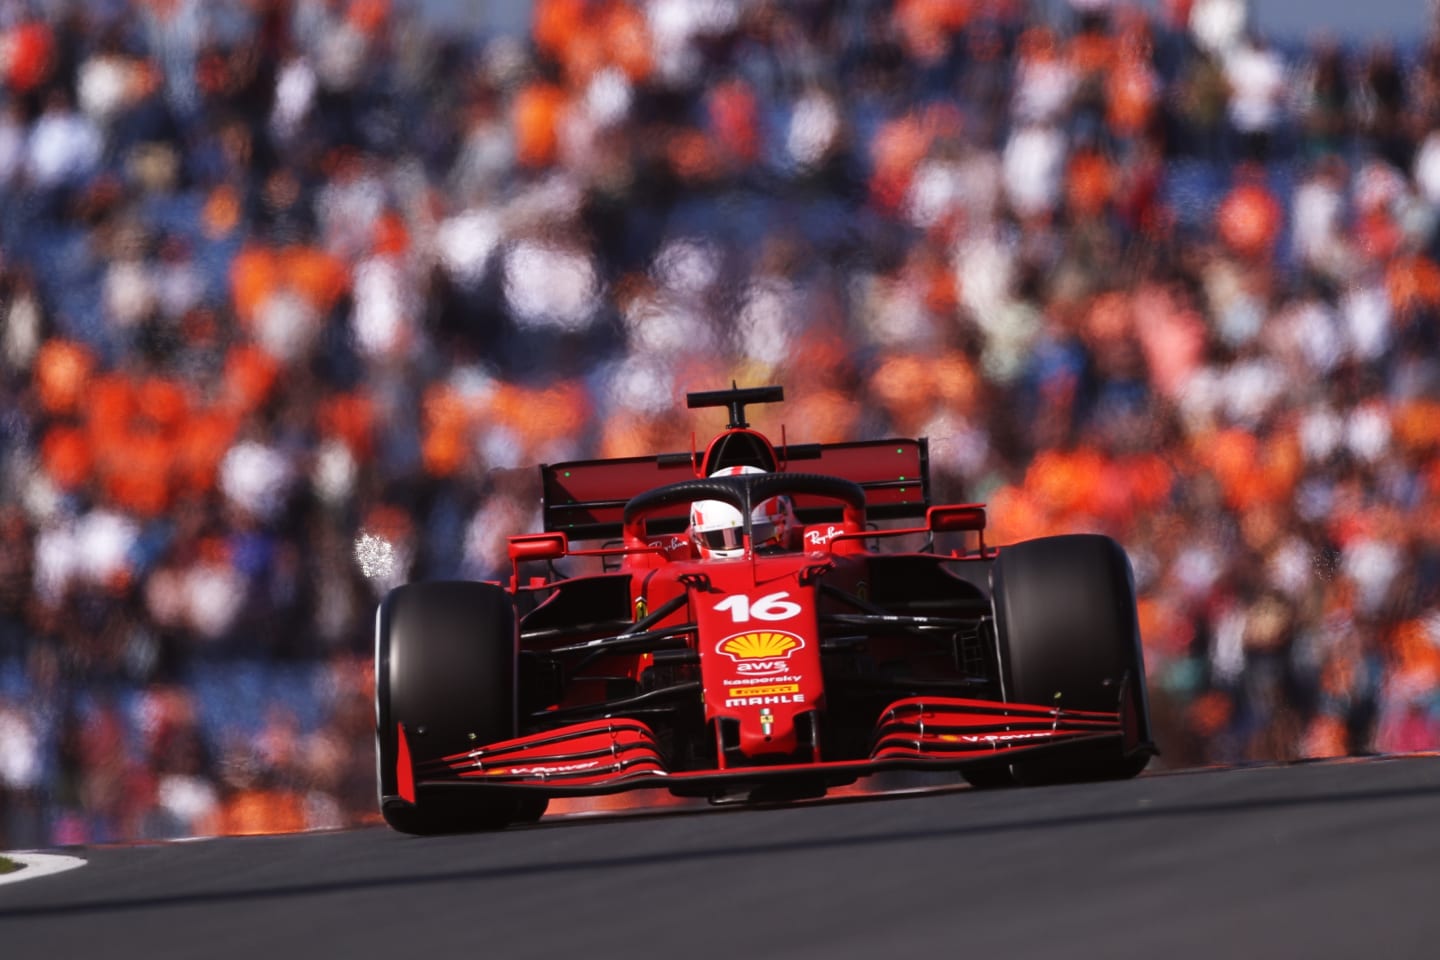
(772,606)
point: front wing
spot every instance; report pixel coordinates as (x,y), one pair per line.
(613,755)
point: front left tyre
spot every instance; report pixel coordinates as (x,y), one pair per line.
(445,656)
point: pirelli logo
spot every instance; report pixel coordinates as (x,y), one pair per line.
(772,691)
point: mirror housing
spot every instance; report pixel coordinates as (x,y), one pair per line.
(956,516)
(538,546)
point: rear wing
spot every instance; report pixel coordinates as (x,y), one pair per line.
(585,499)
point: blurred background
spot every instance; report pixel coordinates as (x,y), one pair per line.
(295,294)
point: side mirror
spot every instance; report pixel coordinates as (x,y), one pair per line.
(956,516)
(538,546)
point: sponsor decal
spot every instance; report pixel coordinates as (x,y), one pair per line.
(759,701)
(768,646)
(751,681)
(759,668)
(818,538)
(674,543)
(544,770)
(764,691)
(995,737)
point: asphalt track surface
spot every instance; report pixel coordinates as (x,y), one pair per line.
(1315,861)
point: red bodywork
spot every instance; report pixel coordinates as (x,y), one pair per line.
(807,668)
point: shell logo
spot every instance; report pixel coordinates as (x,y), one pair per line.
(760,645)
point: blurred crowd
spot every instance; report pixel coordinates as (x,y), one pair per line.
(294,295)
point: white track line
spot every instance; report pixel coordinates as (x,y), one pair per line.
(35,865)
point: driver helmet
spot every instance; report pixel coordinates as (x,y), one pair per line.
(718,529)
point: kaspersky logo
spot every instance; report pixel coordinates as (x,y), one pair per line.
(760,651)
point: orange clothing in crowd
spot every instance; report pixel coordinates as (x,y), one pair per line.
(255,812)
(445,430)
(248,377)
(1089,183)
(62,374)
(349,417)
(895,152)
(142,441)
(66,457)
(1250,219)
(1413,282)
(585,36)
(536,118)
(926,26)
(259,272)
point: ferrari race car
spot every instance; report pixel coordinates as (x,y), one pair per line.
(742,636)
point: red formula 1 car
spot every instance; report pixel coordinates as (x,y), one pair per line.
(745,637)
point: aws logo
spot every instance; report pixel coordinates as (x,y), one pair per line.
(770,645)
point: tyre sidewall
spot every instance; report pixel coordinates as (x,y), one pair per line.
(1066,625)
(445,654)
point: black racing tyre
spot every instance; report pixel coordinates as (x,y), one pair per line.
(988,775)
(529,809)
(1067,633)
(445,669)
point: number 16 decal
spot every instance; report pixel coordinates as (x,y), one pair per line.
(772,606)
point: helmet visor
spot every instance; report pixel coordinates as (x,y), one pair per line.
(729,538)
(722,538)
